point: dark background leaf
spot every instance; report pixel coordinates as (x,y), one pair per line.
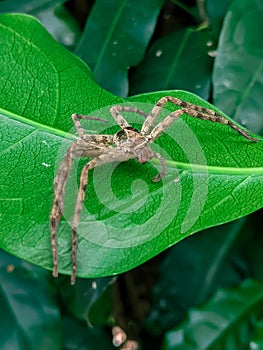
(216,11)
(30,316)
(239,66)
(221,317)
(55,17)
(167,64)
(113,43)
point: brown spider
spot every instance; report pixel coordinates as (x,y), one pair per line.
(126,144)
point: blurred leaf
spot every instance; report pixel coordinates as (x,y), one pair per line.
(55,18)
(238,73)
(28,6)
(253,251)
(61,25)
(115,38)
(169,64)
(192,10)
(216,11)
(29,317)
(77,335)
(101,311)
(257,341)
(224,322)
(203,263)
(79,299)
(125,225)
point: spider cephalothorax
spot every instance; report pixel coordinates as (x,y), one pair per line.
(133,141)
(128,143)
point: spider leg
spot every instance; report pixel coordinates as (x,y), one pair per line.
(104,139)
(190,109)
(163,165)
(111,154)
(58,201)
(209,114)
(164,124)
(222,120)
(116,113)
(76,118)
(151,118)
(79,148)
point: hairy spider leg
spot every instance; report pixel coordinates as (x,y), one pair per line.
(89,145)
(156,132)
(163,165)
(76,117)
(58,201)
(164,124)
(151,118)
(111,154)
(149,122)
(209,114)
(116,113)
(105,139)
(193,111)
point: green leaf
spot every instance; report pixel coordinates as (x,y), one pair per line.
(61,25)
(214,174)
(29,317)
(168,64)
(257,342)
(216,11)
(77,335)
(238,72)
(254,245)
(39,79)
(210,260)
(224,322)
(53,16)
(80,300)
(189,9)
(114,42)
(27,6)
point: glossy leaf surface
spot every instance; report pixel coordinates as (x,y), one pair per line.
(224,322)
(168,64)
(30,317)
(53,16)
(214,174)
(215,251)
(257,341)
(115,39)
(238,72)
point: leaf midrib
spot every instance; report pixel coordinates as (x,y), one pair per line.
(37,125)
(211,169)
(176,59)
(194,168)
(109,35)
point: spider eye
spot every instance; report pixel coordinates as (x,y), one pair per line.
(121,135)
(124,134)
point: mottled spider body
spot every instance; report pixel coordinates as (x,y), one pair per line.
(130,140)
(128,143)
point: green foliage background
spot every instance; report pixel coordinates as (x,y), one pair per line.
(215,52)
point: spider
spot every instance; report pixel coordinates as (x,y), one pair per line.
(126,144)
